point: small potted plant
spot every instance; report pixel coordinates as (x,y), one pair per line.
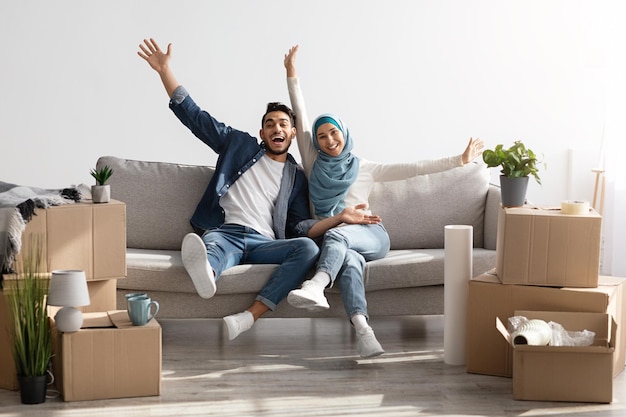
(30,325)
(517,164)
(101,192)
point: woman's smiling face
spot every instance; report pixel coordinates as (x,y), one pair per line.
(330,139)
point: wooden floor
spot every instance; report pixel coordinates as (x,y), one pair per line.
(308,367)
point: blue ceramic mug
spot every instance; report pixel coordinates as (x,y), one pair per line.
(140,309)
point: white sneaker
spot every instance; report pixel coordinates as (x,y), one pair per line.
(238,323)
(193,252)
(310,296)
(366,343)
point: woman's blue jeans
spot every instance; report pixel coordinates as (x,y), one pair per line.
(231,245)
(344,251)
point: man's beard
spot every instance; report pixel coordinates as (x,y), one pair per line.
(273,152)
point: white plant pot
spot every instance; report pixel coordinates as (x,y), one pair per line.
(101,193)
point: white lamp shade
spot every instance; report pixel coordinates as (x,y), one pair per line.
(68,288)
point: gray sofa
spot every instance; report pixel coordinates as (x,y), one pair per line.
(160,198)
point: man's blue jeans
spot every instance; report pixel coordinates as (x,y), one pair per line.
(232,245)
(345,250)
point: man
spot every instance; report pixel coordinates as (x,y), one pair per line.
(255,208)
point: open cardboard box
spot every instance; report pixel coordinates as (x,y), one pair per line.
(565,373)
(108,358)
(488,354)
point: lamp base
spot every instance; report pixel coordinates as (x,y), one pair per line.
(68,319)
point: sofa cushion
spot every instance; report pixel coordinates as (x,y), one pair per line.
(162,270)
(160,199)
(416,210)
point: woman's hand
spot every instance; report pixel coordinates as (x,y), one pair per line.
(290,61)
(473,150)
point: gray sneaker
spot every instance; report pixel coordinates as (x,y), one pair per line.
(366,343)
(193,252)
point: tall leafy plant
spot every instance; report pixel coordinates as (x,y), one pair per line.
(32,340)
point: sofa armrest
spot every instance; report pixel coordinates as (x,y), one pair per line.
(492,208)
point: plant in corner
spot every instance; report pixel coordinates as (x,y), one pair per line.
(101,192)
(517,164)
(30,325)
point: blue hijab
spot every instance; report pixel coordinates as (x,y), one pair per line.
(332,176)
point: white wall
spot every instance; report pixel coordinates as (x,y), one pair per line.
(412,79)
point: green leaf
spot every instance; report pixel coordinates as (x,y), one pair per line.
(102,175)
(30,326)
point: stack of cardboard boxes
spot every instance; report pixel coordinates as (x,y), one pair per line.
(548,267)
(91,237)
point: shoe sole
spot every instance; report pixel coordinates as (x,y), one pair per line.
(373,355)
(298,301)
(227,328)
(193,252)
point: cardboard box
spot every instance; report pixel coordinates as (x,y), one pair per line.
(85,236)
(487,353)
(538,246)
(112,359)
(8,372)
(102,296)
(565,373)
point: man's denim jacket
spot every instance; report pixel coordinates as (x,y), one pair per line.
(238,151)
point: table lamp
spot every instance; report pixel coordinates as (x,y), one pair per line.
(68,288)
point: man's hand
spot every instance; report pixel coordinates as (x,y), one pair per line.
(356,215)
(151,52)
(160,62)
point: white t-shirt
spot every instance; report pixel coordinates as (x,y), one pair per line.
(250,201)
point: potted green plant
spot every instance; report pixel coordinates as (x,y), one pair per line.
(101,192)
(30,325)
(517,164)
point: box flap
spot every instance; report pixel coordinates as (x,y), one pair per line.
(120,318)
(610,281)
(488,277)
(96,320)
(503,331)
(102,319)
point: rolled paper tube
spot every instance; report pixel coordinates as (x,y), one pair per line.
(534,332)
(458,245)
(574,207)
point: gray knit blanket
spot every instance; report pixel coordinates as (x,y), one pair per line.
(17,206)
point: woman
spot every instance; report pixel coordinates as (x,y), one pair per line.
(339,186)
